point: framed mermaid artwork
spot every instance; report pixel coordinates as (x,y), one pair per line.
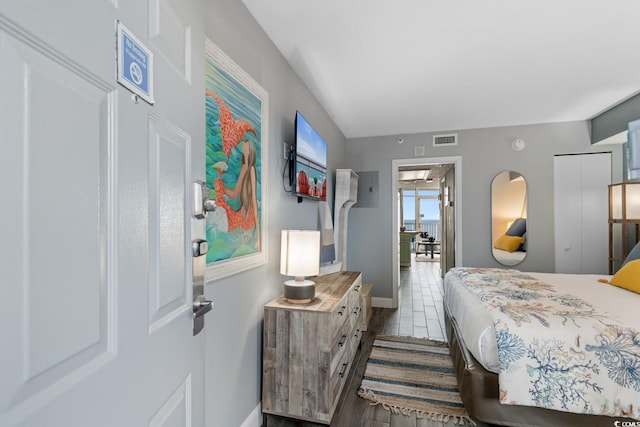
(236,155)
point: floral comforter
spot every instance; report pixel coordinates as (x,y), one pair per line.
(557,351)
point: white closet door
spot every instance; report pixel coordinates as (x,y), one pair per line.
(567,214)
(580,212)
(596,177)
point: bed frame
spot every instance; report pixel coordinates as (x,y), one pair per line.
(479,392)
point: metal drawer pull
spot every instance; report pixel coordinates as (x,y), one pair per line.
(357,288)
(356,311)
(342,309)
(357,332)
(342,340)
(343,370)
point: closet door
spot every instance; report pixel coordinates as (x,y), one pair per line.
(581,212)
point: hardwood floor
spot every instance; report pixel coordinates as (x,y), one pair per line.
(420,314)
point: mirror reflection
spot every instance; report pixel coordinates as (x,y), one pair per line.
(509,218)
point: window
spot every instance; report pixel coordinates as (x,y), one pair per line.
(409,209)
(429,211)
(423,204)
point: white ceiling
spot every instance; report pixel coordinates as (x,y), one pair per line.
(392,67)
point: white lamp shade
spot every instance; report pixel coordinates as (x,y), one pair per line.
(616,202)
(300,253)
(633,201)
(625,201)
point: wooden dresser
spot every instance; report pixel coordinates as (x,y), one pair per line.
(308,349)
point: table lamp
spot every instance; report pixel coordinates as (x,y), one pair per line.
(300,257)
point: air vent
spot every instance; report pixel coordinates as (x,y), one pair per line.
(448,139)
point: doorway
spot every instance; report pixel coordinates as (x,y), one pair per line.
(420,216)
(448,229)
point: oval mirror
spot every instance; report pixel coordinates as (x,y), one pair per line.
(509,218)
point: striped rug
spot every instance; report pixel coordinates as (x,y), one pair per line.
(407,375)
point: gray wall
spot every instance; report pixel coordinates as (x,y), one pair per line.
(233,328)
(485,153)
(615,119)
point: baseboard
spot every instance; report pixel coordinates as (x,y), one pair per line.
(381,302)
(254,419)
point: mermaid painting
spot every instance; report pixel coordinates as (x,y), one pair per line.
(233,174)
(247,216)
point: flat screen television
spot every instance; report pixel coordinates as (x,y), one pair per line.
(310,161)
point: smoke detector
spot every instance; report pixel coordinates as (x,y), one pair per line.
(518,145)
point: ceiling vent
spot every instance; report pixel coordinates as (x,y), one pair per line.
(447,139)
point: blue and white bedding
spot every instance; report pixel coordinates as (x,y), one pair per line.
(563,342)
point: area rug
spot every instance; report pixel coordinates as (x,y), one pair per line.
(407,375)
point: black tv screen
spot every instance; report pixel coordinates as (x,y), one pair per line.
(310,178)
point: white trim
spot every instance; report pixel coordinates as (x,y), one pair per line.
(395,164)
(254,419)
(381,302)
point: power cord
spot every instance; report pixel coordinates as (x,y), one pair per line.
(287,163)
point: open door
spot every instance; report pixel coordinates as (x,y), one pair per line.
(448,193)
(96,242)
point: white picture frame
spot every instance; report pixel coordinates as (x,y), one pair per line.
(245,103)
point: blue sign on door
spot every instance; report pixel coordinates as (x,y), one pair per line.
(135,65)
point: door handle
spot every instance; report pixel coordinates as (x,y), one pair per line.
(202,204)
(201,306)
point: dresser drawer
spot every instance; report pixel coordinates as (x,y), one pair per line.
(340,344)
(340,314)
(355,316)
(339,377)
(355,302)
(356,289)
(356,336)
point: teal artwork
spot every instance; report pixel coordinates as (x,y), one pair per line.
(233,166)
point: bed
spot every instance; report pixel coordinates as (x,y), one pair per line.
(473,314)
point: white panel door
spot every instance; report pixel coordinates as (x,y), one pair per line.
(567,214)
(581,212)
(96,226)
(596,177)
